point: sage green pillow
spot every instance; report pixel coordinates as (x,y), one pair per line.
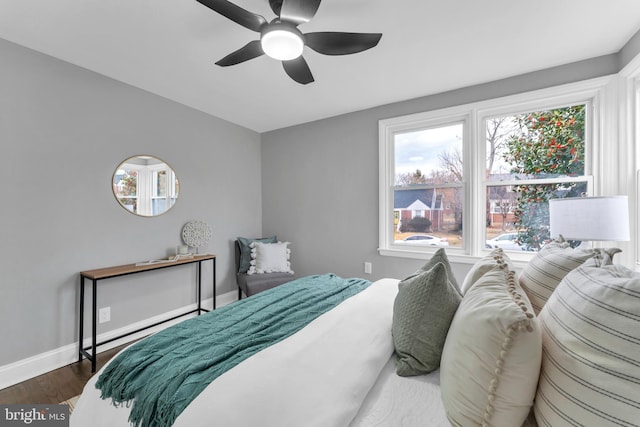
(439,256)
(422,312)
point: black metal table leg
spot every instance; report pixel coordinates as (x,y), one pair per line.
(94,325)
(214,283)
(81,326)
(199,287)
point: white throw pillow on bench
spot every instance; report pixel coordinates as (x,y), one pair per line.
(270,258)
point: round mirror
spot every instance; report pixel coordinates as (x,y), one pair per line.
(145,185)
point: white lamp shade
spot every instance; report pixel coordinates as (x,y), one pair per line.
(282,44)
(590,218)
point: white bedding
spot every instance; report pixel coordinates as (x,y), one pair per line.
(403,401)
(407,402)
(320,376)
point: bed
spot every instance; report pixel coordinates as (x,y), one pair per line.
(350,345)
(341,368)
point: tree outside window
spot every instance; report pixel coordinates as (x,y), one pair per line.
(544,154)
(126,188)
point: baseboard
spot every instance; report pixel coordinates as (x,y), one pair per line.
(39,364)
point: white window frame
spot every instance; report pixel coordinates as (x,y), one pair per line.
(147,186)
(170,184)
(598,95)
(388,129)
(629,138)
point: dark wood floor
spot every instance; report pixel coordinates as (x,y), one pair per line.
(55,386)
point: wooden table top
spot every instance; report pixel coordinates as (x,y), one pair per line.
(121,270)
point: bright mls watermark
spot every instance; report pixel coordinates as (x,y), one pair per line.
(34,415)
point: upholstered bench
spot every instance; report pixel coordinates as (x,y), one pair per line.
(251,284)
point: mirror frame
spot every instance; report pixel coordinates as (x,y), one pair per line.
(147,168)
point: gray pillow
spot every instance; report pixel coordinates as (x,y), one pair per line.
(439,256)
(245,250)
(422,312)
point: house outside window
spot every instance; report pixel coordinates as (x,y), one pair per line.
(502,162)
(428,174)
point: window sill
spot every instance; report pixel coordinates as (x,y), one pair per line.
(519,260)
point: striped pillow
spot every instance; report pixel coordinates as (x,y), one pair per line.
(549,266)
(591,350)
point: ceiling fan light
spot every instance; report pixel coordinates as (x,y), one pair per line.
(282,44)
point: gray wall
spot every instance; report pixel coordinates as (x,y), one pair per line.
(63,131)
(320,179)
(629,50)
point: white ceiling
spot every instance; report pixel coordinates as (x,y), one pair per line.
(168,47)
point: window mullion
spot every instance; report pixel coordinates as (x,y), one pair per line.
(476,190)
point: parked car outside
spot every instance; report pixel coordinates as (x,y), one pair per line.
(506,241)
(423,240)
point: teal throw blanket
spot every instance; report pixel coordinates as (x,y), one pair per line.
(162,374)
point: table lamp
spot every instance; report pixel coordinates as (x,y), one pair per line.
(590,218)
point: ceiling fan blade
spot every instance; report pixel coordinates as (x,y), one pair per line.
(249,51)
(298,11)
(336,43)
(235,13)
(298,70)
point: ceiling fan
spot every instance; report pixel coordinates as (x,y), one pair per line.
(281,39)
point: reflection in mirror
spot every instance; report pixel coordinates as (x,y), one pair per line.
(145,185)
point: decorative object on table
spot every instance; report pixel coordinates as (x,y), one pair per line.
(196,234)
(174,258)
(590,218)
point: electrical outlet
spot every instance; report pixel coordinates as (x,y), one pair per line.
(367,267)
(104,315)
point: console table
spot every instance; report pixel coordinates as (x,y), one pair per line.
(124,270)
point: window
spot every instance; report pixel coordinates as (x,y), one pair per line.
(479,176)
(423,190)
(532,157)
(428,173)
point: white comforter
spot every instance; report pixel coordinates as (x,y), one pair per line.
(317,377)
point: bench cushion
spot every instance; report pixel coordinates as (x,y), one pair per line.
(251,284)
